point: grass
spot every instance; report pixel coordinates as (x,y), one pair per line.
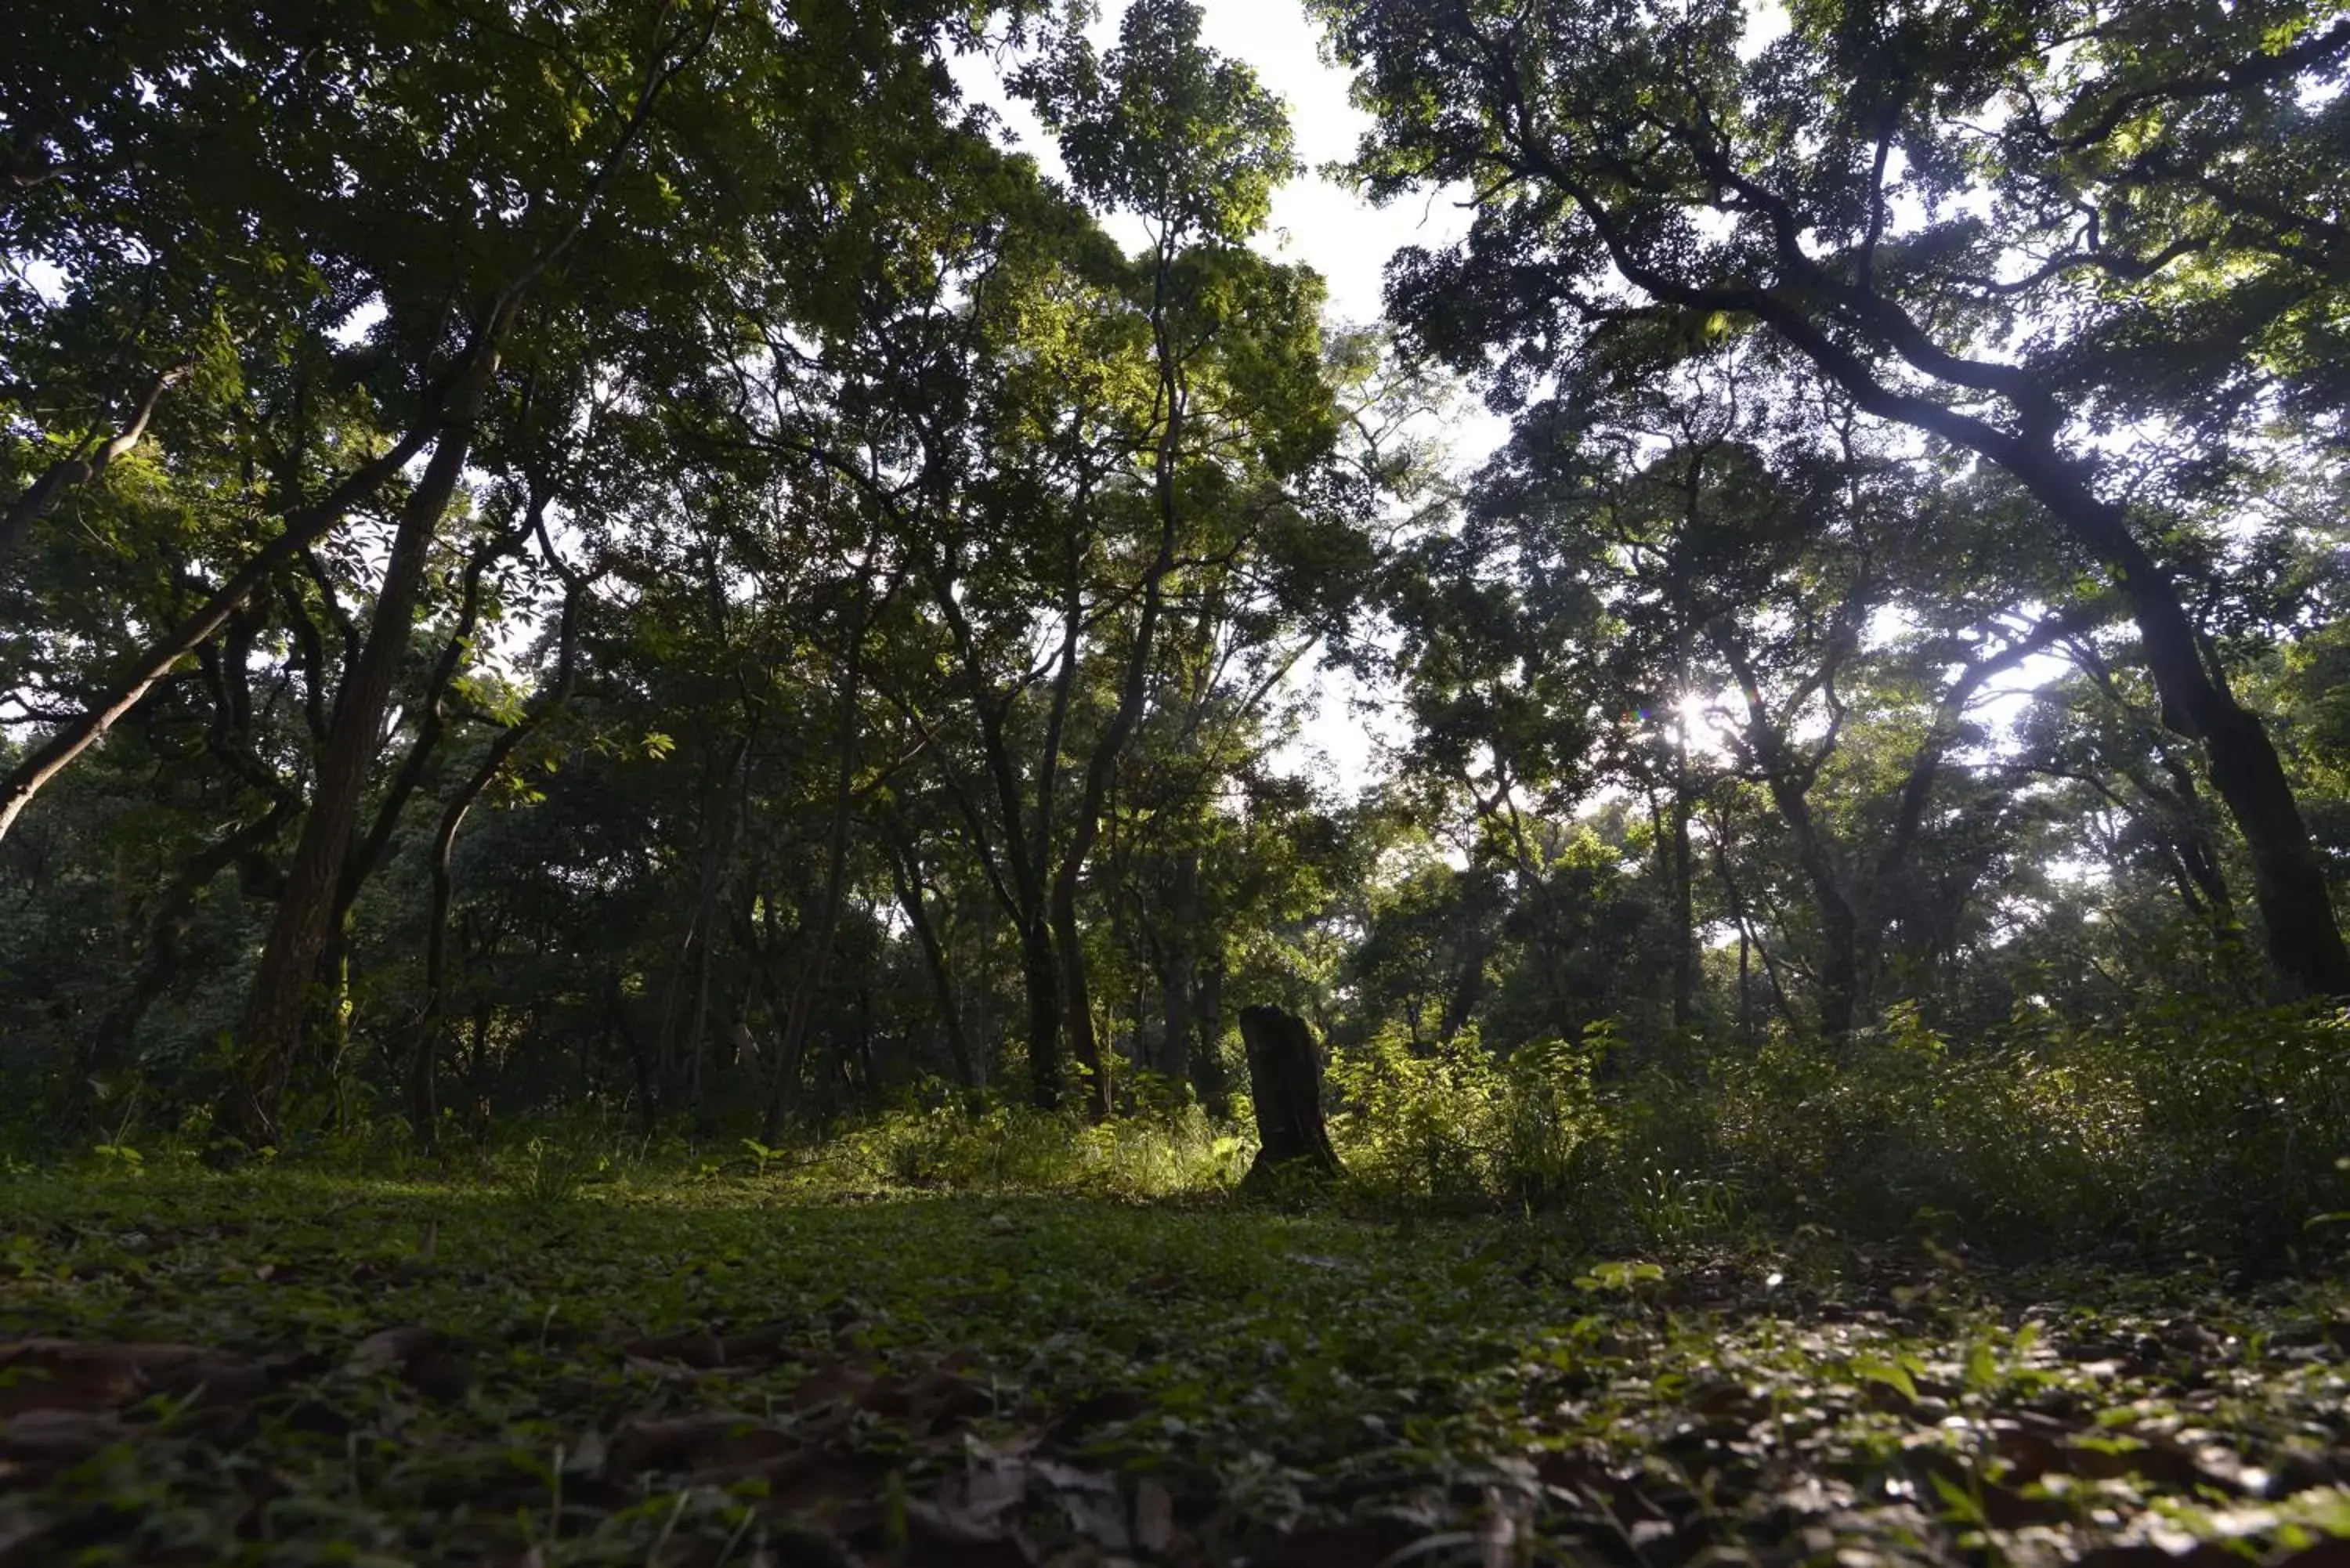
(769,1360)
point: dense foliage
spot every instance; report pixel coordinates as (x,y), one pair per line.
(563,557)
(662,698)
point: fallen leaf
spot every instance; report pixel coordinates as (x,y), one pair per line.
(1154,1515)
(55,1436)
(1358,1543)
(424,1358)
(69,1374)
(709,1440)
(696,1347)
(935,1539)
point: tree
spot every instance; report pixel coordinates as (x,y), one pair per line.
(1191,145)
(2095,258)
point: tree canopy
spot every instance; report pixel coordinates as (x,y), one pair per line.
(657,559)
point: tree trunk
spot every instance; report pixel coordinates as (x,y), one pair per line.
(330,1025)
(1468,986)
(1041,980)
(905,875)
(1745,988)
(641,1062)
(1790,784)
(2304,942)
(450,408)
(1085,827)
(794,1043)
(698,1026)
(54,755)
(1017,878)
(1208,1061)
(1684,876)
(424,1072)
(971,999)
(1839,987)
(168,925)
(866,1067)
(1175,1008)
(1839,971)
(1747,935)
(432,1034)
(433,718)
(273,1018)
(1286,1085)
(1177,966)
(679,1045)
(1076,999)
(477,1051)
(2288,879)
(2179,821)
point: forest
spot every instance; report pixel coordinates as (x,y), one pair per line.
(765,805)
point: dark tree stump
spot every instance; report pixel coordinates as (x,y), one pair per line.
(1285,1083)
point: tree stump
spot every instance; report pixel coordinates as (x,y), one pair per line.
(1286,1081)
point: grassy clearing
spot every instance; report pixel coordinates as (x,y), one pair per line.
(750,1364)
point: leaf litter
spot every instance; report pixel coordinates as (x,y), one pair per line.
(275,1370)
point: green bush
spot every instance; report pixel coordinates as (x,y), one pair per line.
(2178,1130)
(1165,1148)
(2244,1128)
(1454,1126)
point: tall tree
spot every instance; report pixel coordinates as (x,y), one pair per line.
(2128,241)
(1190,143)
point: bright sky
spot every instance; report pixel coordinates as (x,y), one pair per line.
(1314,220)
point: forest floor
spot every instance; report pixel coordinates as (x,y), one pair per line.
(290,1367)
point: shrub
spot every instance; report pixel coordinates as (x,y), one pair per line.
(1165,1148)
(2181,1130)
(1454,1126)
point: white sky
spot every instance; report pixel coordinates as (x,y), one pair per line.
(1314,220)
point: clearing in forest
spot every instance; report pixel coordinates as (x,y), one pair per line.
(294,1367)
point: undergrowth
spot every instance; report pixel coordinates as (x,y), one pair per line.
(950,1147)
(1561,1308)
(2175,1133)
(575,1364)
